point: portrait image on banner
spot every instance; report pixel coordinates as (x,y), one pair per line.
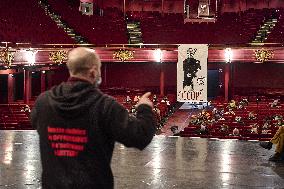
(192,73)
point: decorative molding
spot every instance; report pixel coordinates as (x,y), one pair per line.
(264,55)
(7,56)
(123,55)
(58,56)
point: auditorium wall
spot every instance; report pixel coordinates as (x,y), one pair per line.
(55,77)
(138,75)
(262,76)
(128,75)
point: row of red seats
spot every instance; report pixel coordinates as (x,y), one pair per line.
(12,116)
(25,22)
(107,29)
(263,111)
(229,28)
(276,35)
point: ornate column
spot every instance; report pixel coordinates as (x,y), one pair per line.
(42,81)
(232,79)
(227,81)
(27,86)
(11,88)
(162,80)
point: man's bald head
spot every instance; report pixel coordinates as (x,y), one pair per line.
(81,60)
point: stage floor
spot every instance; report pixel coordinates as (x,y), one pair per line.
(168,162)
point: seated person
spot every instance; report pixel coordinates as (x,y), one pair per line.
(155,99)
(214,111)
(251,116)
(165,99)
(278,140)
(203,128)
(236,132)
(224,129)
(240,106)
(254,128)
(230,112)
(238,119)
(209,104)
(222,112)
(232,104)
(132,111)
(244,101)
(275,103)
(267,124)
(168,103)
(128,99)
(157,113)
(175,130)
(26,109)
(279,120)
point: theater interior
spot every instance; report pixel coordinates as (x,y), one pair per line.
(212,143)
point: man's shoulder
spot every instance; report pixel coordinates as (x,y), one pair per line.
(42,95)
(108,97)
(41,98)
(109,102)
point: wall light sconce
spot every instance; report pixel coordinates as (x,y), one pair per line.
(228,55)
(31,56)
(158,55)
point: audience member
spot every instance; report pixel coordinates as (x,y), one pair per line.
(254,128)
(128,100)
(26,109)
(236,132)
(275,103)
(278,140)
(155,99)
(157,112)
(232,105)
(251,116)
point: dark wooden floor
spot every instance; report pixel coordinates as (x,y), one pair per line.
(167,163)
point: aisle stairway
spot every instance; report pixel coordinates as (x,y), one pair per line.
(56,18)
(180,118)
(134,31)
(265,30)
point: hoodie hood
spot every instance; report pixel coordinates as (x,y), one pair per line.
(72,99)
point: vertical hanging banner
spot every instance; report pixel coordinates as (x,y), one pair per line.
(192,73)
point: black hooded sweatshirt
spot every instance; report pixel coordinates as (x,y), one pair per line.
(78,126)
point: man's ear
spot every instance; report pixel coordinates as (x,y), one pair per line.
(98,71)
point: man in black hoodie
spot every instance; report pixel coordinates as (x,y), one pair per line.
(78,126)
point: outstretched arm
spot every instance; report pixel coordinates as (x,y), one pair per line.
(132,131)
